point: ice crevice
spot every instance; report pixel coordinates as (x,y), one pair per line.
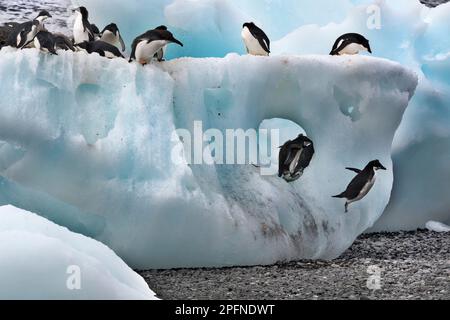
(92,139)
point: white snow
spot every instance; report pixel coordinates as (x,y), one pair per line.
(94,136)
(41,260)
(437,226)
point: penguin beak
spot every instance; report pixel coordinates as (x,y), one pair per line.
(369,49)
(122,43)
(382,168)
(177,42)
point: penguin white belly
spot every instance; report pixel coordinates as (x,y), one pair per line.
(146,51)
(252,44)
(37,44)
(110,55)
(79,34)
(365,190)
(352,49)
(110,38)
(294,162)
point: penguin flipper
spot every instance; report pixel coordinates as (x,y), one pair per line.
(341,47)
(262,38)
(354,170)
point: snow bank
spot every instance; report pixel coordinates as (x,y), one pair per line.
(40,260)
(96,136)
(437,226)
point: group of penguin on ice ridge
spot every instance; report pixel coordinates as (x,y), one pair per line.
(294,156)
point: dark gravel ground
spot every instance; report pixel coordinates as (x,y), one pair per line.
(413,265)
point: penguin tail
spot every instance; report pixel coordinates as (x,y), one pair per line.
(340,196)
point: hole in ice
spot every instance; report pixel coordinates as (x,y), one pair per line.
(273,133)
(348,104)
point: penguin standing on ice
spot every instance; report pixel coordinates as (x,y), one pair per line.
(162,52)
(294,157)
(45,42)
(24,33)
(82,29)
(350,43)
(360,186)
(104,49)
(256,41)
(111,35)
(148,44)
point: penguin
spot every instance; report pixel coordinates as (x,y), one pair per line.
(82,29)
(62,42)
(111,35)
(350,43)
(294,157)
(95,31)
(148,44)
(45,42)
(361,185)
(24,33)
(161,53)
(256,41)
(104,49)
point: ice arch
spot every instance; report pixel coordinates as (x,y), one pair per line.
(156,213)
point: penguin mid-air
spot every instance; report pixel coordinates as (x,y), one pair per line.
(104,49)
(256,41)
(148,44)
(82,29)
(111,35)
(360,186)
(350,43)
(294,157)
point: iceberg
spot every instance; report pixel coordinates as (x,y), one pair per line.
(400,30)
(437,226)
(100,138)
(43,261)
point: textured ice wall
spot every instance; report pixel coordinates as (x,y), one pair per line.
(410,33)
(95,136)
(40,260)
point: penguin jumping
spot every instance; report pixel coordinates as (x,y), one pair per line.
(148,44)
(294,157)
(111,35)
(104,49)
(82,29)
(360,186)
(350,43)
(256,41)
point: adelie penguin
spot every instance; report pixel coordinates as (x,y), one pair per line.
(294,157)
(104,49)
(24,33)
(161,53)
(256,41)
(350,43)
(111,35)
(361,185)
(82,29)
(150,43)
(45,42)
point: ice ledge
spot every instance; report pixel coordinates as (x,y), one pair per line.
(97,135)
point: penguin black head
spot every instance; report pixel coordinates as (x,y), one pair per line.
(248,25)
(365,43)
(112,27)
(164,28)
(83,11)
(376,164)
(45,14)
